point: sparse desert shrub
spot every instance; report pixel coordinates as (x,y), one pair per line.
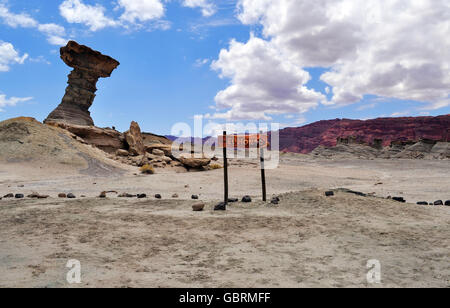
(215,166)
(147,169)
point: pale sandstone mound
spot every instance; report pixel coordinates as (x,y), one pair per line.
(89,65)
(26,141)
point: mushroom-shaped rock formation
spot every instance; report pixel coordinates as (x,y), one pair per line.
(89,65)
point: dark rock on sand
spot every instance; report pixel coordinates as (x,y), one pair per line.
(221,207)
(399,199)
(194,197)
(329,193)
(158,196)
(142,196)
(71,196)
(447,203)
(422,203)
(233,200)
(438,202)
(8,196)
(198,207)
(247,199)
(19,196)
(62,195)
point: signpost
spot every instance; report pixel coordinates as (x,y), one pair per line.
(259,141)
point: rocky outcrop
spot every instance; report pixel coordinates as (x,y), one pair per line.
(326,133)
(134,140)
(106,139)
(89,66)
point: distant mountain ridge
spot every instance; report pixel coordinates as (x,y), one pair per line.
(325,133)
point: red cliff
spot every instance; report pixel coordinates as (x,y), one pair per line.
(305,139)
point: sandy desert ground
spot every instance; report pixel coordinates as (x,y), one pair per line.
(308,240)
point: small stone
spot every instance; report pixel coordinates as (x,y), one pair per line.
(275,201)
(102,194)
(194,197)
(247,199)
(422,203)
(123,153)
(8,196)
(37,196)
(198,207)
(221,207)
(329,193)
(158,152)
(186,186)
(141,196)
(399,199)
(158,196)
(447,203)
(126,195)
(19,196)
(438,202)
(71,196)
(62,196)
(175,196)
(233,200)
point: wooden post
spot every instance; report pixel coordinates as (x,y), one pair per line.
(225,166)
(263,172)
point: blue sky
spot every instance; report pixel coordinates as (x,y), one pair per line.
(166,75)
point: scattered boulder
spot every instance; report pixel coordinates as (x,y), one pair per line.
(198,207)
(166,148)
(194,197)
(158,196)
(438,202)
(247,199)
(194,163)
(71,196)
(422,203)
(221,207)
(329,193)
(62,195)
(122,152)
(399,199)
(19,196)
(133,137)
(158,152)
(8,196)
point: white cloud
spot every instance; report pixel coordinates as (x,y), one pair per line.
(55,33)
(16,20)
(208,8)
(389,48)
(12,101)
(93,16)
(9,56)
(141,10)
(263,83)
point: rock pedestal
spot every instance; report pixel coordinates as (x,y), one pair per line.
(89,65)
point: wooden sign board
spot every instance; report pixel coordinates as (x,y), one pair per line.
(243,141)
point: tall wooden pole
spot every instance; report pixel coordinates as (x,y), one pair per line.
(263,171)
(225,166)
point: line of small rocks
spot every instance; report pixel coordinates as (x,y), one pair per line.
(331,193)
